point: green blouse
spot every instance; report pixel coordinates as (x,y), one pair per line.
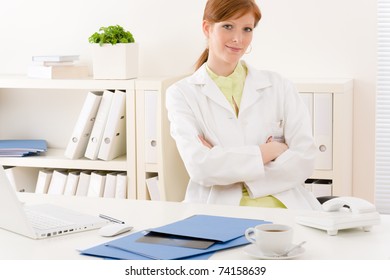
(232,87)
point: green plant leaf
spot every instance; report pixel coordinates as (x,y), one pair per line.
(113,34)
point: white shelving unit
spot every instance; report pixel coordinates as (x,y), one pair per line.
(168,166)
(166,162)
(48,109)
(339,170)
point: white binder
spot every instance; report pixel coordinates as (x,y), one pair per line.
(96,136)
(319,187)
(152,185)
(96,184)
(121,185)
(23,179)
(307,98)
(151,99)
(80,135)
(43,181)
(114,137)
(83,185)
(322,188)
(58,181)
(71,183)
(110,186)
(323,130)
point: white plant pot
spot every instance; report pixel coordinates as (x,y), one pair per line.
(116,62)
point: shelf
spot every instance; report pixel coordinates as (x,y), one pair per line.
(166,163)
(54,158)
(172,175)
(323,174)
(54,118)
(23,82)
(151,167)
(334,85)
(168,166)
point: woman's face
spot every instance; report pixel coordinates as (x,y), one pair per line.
(228,40)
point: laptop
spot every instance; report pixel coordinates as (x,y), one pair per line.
(40,221)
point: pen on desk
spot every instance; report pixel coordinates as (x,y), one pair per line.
(111,219)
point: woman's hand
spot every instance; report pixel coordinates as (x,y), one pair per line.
(271,150)
(204,142)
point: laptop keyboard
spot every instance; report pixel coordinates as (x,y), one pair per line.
(42,222)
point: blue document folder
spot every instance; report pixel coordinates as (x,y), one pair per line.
(16,153)
(20,148)
(163,252)
(226,231)
(31,145)
(216,228)
(107,252)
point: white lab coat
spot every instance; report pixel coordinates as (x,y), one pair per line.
(196,106)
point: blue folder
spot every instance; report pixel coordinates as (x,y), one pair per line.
(22,148)
(228,233)
(216,228)
(108,252)
(31,145)
(163,252)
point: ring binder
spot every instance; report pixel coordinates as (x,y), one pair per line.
(79,139)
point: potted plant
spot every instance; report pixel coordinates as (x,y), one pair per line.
(115,53)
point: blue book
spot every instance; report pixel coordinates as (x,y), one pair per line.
(31,145)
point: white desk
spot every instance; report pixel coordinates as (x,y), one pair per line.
(348,244)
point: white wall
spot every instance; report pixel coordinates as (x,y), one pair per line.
(300,38)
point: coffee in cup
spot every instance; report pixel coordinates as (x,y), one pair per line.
(271,239)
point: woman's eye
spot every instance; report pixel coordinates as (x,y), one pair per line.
(248,29)
(228,26)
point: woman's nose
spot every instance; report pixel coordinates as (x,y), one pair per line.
(237,37)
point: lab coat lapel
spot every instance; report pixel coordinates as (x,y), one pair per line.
(255,83)
(254,87)
(224,136)
(209,92)
(209,88)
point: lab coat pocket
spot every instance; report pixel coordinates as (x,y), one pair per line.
(277,131)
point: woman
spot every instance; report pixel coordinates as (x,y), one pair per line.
(244,135)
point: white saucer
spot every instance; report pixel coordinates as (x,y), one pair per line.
(254,252)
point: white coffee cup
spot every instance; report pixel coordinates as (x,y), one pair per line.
(271,239)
